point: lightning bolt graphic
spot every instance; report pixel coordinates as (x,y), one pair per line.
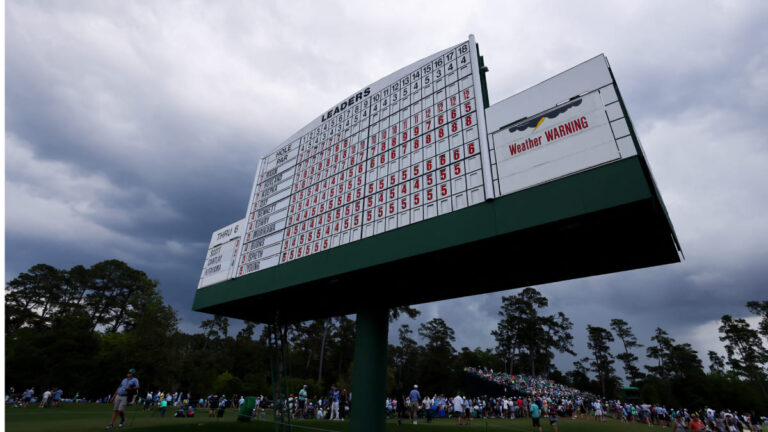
(539,123)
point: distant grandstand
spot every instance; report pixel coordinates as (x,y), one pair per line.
(485,382)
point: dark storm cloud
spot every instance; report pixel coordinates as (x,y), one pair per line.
(133,131)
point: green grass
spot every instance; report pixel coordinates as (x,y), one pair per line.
(93,417)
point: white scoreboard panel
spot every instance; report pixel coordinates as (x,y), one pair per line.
(223,251)
(409,147)
(569,123)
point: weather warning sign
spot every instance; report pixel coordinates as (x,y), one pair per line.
(570,137)
(526,137)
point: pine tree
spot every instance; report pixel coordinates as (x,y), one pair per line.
(629,341)
(660,352)
(760,309)
(716,363)
(523,328)
(602,359)
(746,351)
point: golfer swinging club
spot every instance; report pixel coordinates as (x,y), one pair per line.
(129,387)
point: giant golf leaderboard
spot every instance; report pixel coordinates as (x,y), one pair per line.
(409,147)
(418,145)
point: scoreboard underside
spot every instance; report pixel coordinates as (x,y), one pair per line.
(603,220)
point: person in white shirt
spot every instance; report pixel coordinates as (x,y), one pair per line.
(427,405)
(458,406)
(646,413)
(44,401)
(598,411)
(468,410)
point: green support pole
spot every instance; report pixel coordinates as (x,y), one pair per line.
(369,377)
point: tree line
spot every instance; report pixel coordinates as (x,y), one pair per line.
(94,323)
(674,373)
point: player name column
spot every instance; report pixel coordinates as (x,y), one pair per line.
(268,210)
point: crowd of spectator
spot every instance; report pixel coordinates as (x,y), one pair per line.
(50,398)
(523,396)
(563,401)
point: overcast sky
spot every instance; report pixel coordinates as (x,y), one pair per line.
(133,130)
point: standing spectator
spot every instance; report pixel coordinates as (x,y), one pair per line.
(211,403)
(458,406)
(128,388)
(303,401)
(696,425)
(645,413)
(148,401)
(553,416)
(428,404)
(222,406)
(535,416)
(680,425)
(56,396)
(329,404)
(334,402)
(26,397)
(710,414)
(598,410)
(414,399)
(468,410)
(163,407)
(343,403)
(399,402)
(44,401)
(320,413)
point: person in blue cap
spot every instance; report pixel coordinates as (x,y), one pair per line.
(128,388)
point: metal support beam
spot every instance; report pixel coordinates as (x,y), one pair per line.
(369,377)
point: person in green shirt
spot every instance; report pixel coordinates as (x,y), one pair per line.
(163,407)
(303,401)
(535,416)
